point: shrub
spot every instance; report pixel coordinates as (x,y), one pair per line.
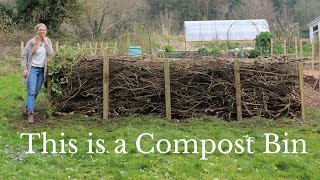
(263,43)
(215,51)
(203,51)
(64,60)
(253,53)
(233,45)
(278,49)
(223,46)
(168,48)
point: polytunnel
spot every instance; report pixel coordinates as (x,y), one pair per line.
(225,30)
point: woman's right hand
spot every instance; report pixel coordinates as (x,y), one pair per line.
(25,73)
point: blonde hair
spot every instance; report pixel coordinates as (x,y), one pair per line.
(40,24)
(38,40)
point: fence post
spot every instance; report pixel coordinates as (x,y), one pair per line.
(91,51)
(101,48)
(238,89)
(84,47)
(115,48)
(166,68)
(95,48)
(106,75)
(106,48)
(57,46)
(301,87)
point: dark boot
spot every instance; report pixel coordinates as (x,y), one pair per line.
(30,117)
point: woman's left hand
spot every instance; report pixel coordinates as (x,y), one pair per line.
(45,40)
(25,73)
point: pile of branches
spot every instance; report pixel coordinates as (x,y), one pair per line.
(204,87)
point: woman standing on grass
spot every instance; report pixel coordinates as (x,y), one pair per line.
(34,66)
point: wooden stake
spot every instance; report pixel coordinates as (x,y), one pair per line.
(301,86)
(106,48)
(115,48)
(57,46)
(84,47)
(90,46)
(95,48)
(101,48)
(238,89)
(166,66)
(106,75)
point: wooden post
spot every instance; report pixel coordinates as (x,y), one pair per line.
(312,65)
(238,89)
(95,48)
(166,68)
(285,47)
(301,87)
(106,48)
(57,46)
(271,47)
(101,48)
(115,48)
(296,45)
(84,47)
(90,46)
(106,75)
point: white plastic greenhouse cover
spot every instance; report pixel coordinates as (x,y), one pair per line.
(224,29)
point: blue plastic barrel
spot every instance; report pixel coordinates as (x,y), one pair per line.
(135,51)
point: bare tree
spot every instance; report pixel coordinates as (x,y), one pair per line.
(168,22)
(306,11)
(221,8)
(254,9)
(103,17)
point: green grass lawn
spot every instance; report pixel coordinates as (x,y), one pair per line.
(15,163)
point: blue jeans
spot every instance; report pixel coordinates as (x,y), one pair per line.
(35,80)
